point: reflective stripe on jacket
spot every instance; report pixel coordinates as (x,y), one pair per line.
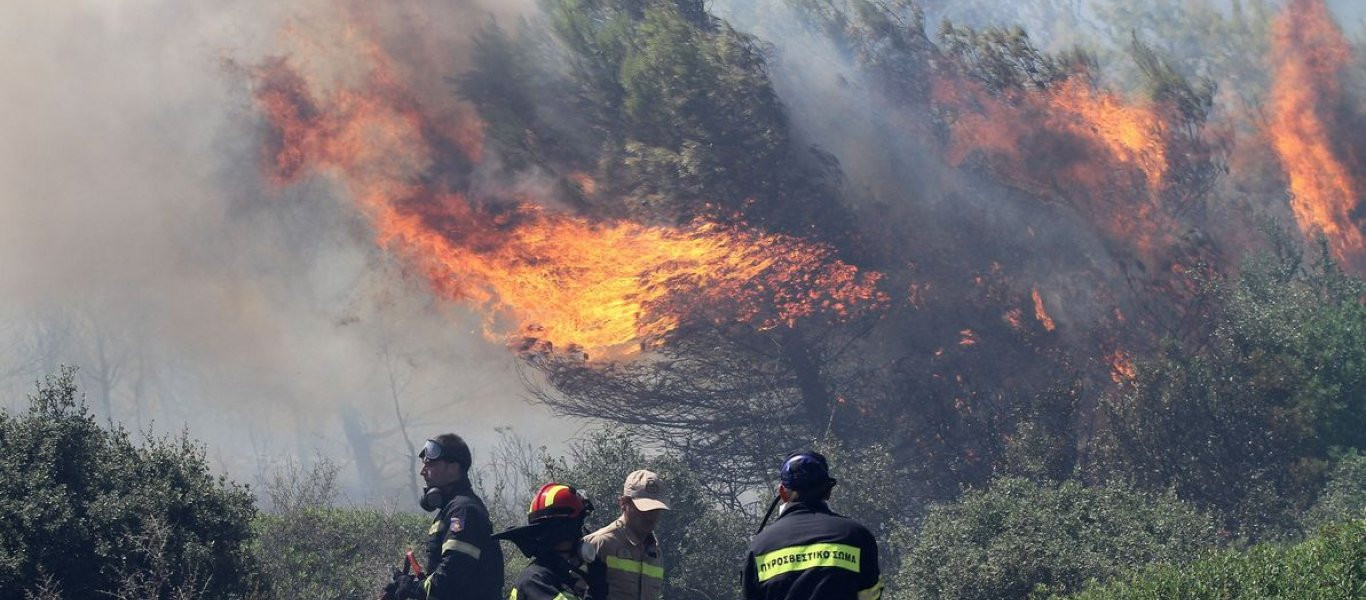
(810,553)
(630,568)
(542,581)
(463,560)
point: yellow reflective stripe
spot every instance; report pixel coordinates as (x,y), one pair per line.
(461,547)
(549,495)
(635,566)
(513,594)
(801,558)
(564,596)
(427,586)
(435,528)
(872,593)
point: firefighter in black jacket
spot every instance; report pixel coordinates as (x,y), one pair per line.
(463,560)
(552,540)
(809,552)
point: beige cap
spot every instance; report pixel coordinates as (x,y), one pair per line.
(646,490)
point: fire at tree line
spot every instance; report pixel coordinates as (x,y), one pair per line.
(1067,321)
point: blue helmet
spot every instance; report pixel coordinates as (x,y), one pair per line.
(805,471)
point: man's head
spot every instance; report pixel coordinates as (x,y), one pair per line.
(445,460)
(643,501)
(805,476)
(554,525)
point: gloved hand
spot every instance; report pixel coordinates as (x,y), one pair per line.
(403,586)
(409,587)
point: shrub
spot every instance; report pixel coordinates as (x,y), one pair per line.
(1344,496)
(329,552)
(1329,566)
(1019,537)
(86,512)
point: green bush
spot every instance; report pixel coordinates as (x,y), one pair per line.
(1020,538)
(85,512)
(1329,566)
(1344,496)
(327,552)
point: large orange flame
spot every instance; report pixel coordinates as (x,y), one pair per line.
(1068,142)
(602,286)
(1308,54)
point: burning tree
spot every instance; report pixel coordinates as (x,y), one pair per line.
(619,189)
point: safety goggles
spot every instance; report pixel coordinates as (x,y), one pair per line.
(431,451)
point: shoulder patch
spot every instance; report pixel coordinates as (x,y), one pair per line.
(457,525)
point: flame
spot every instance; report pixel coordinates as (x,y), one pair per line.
(1121,367)
(1131,134)
(1069,142)
(606,286)
(1040,314)
(967,338)
(1308,53)
(1014,317)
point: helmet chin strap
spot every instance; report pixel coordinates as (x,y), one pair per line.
(771,506)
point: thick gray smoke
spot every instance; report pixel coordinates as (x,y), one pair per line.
(139,242)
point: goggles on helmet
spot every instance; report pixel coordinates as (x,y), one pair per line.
(431,451)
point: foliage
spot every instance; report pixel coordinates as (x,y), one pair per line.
(1344,495)
(670,111)
(333,552)
(1331,565)
(701,543)
(1019,537)
(1243,423)
(84,511)
(308,547)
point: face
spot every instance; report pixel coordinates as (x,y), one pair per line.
(568,550)
(640,522)
(439,473)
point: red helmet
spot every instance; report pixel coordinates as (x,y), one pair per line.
(556,514)
(557,501)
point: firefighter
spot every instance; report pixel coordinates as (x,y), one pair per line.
(552,539)
(463,560)
(628,564)
(810,552)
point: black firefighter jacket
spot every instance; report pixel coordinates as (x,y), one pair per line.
(811,553)
(463,561)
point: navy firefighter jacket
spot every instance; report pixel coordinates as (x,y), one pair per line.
(811,553)
(463,560)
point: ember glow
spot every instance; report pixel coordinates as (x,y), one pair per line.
(1309,53)
(561,280)
(1040,314)
(1104,156)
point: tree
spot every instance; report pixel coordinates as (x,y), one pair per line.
(1243,424)
(87,511)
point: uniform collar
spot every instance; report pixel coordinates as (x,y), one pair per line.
(459,488)
(631,537)
(804,506)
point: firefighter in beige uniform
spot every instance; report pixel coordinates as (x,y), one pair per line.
(628,565)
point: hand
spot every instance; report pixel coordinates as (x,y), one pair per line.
(391,591)
(407,586)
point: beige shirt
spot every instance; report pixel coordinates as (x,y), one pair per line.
(634,567)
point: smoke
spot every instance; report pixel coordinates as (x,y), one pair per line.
(138,241)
